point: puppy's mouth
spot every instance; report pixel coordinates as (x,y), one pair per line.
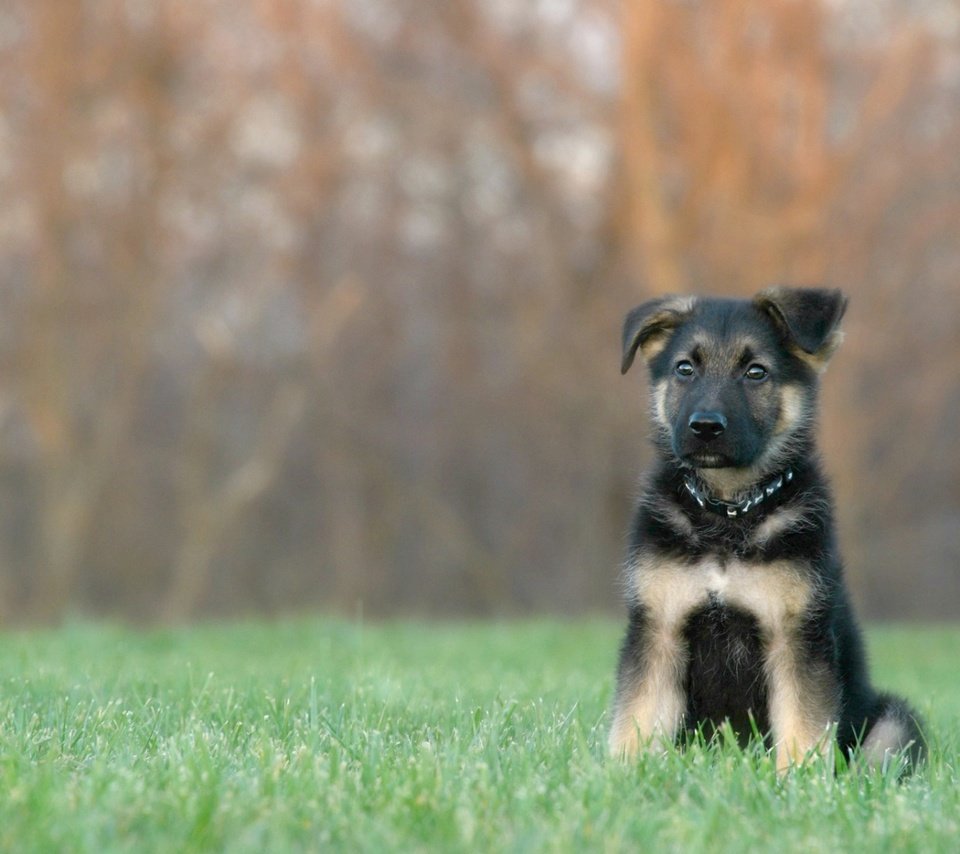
(706,460)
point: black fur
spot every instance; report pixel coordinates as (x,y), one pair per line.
(722,646)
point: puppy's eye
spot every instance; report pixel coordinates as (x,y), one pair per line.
(756,372)
(684,369)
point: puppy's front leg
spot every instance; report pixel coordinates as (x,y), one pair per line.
(803,700)
(650,700)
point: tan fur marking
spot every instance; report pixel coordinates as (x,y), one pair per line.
(819,360)
(729,483)
(682,304)
(677,519)
(886,739)
(654,713)
(791,409)
(654,709)
(775,593)
(802,704)
(802,707)
(667,313)
(653,346)
(778,523)
(658,396)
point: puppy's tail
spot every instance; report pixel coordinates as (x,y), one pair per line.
(894,734)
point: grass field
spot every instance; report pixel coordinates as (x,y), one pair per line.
(327,735)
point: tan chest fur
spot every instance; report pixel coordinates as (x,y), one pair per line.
(776,593)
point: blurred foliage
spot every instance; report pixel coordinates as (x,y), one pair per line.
(316,304)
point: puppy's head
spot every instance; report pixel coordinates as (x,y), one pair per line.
(734,381)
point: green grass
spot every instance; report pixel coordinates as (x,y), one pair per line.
(325,735)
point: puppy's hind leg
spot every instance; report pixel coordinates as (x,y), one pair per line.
(893,735)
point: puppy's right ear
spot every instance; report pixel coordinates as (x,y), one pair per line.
(648,327)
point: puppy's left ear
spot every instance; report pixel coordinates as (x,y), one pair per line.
(809,318)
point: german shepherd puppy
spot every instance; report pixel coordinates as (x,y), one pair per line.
(738,609)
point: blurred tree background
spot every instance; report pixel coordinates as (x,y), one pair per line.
(316,303)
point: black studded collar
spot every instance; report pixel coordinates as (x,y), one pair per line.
(734,509)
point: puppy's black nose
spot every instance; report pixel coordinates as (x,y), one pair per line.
(707,425)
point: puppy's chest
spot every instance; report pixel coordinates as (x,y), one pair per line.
(774,593)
